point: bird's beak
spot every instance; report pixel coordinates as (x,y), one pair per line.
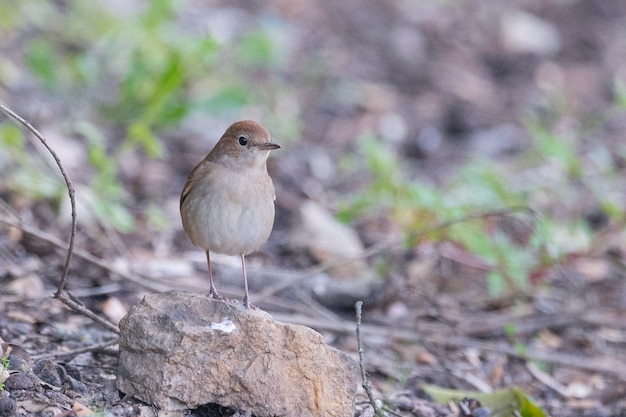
(268,146)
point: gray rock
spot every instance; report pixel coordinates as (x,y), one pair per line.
(7,404)
(523,32)
(318,232)
(180,350)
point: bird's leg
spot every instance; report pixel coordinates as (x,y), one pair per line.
(212,291)
(246,299)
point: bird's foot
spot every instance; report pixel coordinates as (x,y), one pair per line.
(216,296)
(248,304)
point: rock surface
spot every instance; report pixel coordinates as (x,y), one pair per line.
(319,233)
(180,350)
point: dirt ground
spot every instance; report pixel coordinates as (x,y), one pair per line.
(441,83)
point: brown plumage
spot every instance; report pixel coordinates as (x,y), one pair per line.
(227,203)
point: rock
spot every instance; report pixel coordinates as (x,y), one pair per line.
(19,381)
(19,358)
(50,373)
(327,240)
(499,141)
(522,32)
(51,411)
(7,404)
(180,350)
(30,286)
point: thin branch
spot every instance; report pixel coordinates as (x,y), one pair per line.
(79,308)
(73,304)
(365,382)
(70,189)
(71,353)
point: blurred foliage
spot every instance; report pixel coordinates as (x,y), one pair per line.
(131,76)
(4,371)
(144,71)
(511,402)
(30,179)
(515,253)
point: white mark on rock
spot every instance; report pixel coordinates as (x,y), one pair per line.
(226,326)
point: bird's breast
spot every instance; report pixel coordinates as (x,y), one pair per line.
(230,212)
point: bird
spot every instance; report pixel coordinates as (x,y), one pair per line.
(227,203)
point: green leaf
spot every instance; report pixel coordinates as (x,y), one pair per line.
(31,182)
(505,402)
(140,133)
(560,149)
(226,100)
(116,215)
(619,93)
(496,283)
(11,136)
(158,12)
(257,48)
(156,217)
(41,60)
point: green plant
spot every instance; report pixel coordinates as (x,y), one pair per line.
(23,171)
(129,80)
(511,333)
(4,371)
(505,402)
(512,259)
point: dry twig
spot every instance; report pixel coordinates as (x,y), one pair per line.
(71,353)
(70,189)
(365,382)
(79,308)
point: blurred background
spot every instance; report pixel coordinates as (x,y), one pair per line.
(395,117)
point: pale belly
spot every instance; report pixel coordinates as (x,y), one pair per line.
(228,223)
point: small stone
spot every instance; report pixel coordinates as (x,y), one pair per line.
(81,410)
(18,381)
(50,373)
(51,411)
(19,358)
(7,404)
(30,286)
(523,32)
(318,232)
(76,385)
(180,350)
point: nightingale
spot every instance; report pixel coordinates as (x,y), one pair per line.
(227,203)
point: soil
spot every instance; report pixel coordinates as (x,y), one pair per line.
(440,85)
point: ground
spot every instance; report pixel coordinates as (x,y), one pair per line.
(440,84)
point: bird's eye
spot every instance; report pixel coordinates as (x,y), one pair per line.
(243,141)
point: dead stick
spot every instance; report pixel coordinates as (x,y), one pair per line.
(79,308)
(70,249)
(366,383)
(70,189)
(71,353)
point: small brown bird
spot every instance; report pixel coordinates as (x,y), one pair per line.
(227,204)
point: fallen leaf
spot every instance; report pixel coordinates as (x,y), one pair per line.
(114,309)
(81,410)
(506,401)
